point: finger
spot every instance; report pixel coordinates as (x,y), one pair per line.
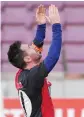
(50,11)
(37,11)
(40,8)
(43,10)
(54,8)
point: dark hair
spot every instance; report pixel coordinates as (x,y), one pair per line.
(16,55)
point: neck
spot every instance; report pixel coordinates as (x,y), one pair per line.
(31,65)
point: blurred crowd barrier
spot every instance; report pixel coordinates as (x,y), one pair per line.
(62,108)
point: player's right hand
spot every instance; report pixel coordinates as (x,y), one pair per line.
(41,15)
(53,15)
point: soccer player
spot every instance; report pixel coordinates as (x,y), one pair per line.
(31,80)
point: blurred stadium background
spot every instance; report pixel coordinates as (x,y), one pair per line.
(18,23)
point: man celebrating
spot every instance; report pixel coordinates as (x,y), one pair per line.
(31,80)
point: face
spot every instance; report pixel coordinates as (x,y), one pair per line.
(31,53)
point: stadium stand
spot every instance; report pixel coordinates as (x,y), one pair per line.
(18,23)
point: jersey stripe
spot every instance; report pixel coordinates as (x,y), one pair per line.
(22,99)
(26,103)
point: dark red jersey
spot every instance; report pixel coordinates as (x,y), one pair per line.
(33,90)
(32,86)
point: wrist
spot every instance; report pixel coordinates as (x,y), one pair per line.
(42,25)
(55,22)
(56,26)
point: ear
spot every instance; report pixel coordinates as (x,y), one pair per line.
(27,59)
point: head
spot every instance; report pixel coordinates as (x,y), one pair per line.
(21,55)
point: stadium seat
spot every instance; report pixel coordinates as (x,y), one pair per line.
(17,33)
(74,33)
(4,50)
(74,52)
(74,15)
(7,67)
(14,15)
(77,68)
(18,23)
(73,3)
(15,4)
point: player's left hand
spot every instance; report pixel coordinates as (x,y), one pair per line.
(41,15)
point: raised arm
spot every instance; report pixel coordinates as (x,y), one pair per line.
(41,27)
(42,70)
(55,48)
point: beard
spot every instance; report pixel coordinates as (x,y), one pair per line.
(39,57)
(36,57)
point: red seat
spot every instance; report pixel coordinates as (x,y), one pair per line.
(15,3)
(17,33)
(73,3)
(74,52)
(15,15)
(4,50)
(74,33)
(76,68)
(18,19)
(7,67)
(74,15)
(45,52)
(58,67)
